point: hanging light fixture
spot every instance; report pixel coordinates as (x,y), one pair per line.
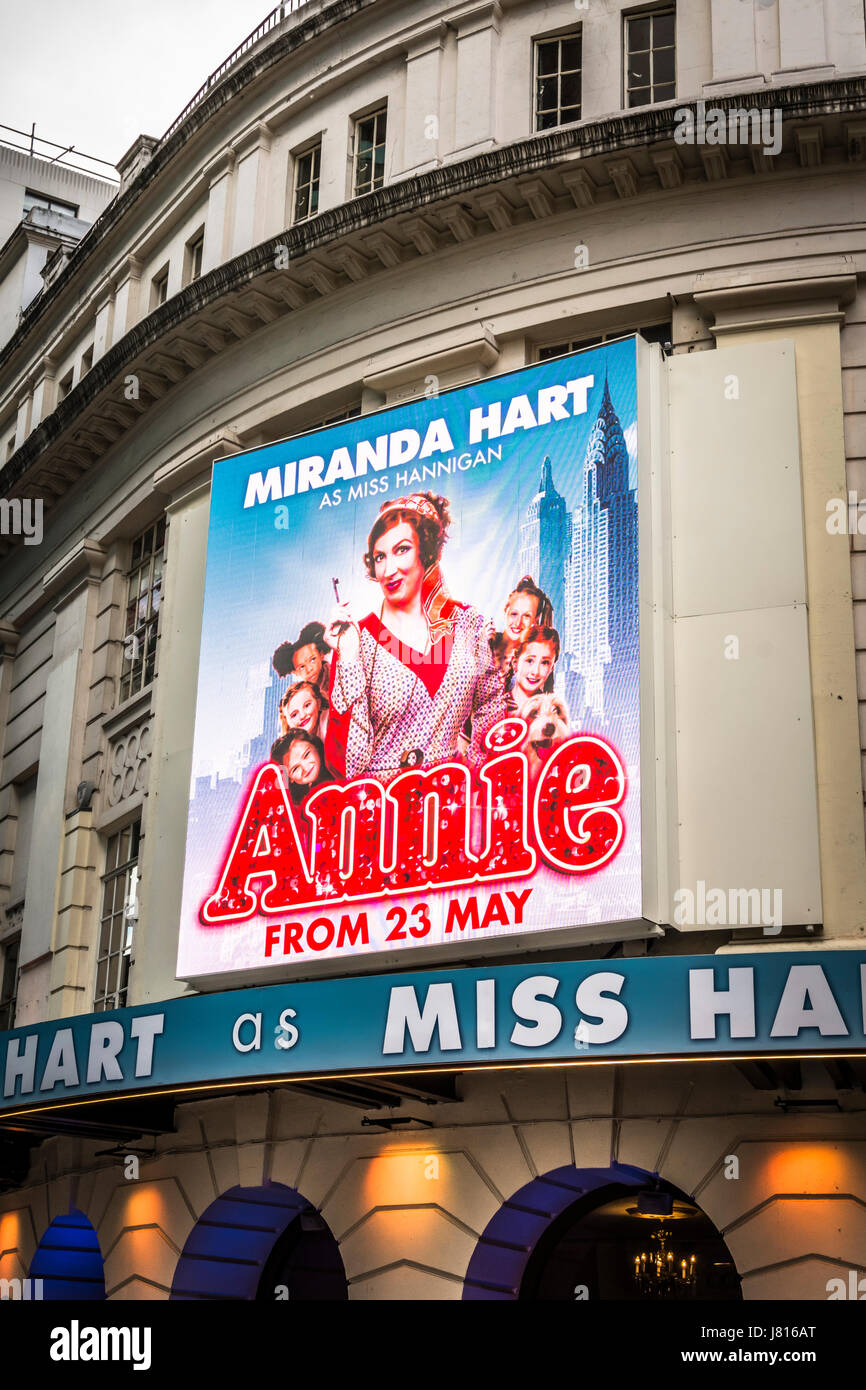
(659,1272)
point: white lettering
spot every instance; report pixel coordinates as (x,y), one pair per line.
(546,1019)
(706,1002)
(807,983)
(146,1030)
(106,1040)
(61,1064)
(591,998)
(439,1012)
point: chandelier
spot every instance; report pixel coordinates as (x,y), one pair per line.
(659,1272)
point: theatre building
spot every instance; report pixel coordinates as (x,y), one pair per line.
(538,970)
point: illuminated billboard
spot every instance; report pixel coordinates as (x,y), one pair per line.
(417,720)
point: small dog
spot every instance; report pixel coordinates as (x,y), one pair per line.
(548,721)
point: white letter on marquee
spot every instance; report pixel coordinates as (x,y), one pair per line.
(807,982)
(706,1002)
(545,1018)
(439,1012)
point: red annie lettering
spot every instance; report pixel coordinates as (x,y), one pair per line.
(421,832)
(576,826)
(265,846)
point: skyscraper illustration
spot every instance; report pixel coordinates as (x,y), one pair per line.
(544,540)
(586,634)
(586,560)
(606,452)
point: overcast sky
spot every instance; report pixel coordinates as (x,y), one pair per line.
(97,73)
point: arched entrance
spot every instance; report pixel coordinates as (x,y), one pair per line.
(576,1233)
(68,1259)
(261,1243)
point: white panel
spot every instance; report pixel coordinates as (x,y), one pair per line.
(748,815)
(742,767)
(737,510)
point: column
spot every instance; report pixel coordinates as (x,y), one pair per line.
(422,115)
(477,45)
(44,393)
(22,421)
(102,334)
(9,637)
(846,35)
(220,211)
(251,188)
(76,580)
(733,36)
(186,481)
(126,298)
(802,40)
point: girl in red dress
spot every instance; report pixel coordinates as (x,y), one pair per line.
(405,680)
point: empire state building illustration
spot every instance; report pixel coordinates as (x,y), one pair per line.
(587,561)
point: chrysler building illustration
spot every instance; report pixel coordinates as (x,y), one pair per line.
(586,560)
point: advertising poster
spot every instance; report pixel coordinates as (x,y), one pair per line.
(417,720)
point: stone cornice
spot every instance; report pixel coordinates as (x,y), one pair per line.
(232,300)
(232,84)
(767,303)
(630,128)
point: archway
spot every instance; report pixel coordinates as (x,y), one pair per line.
(575,1233)
(266,1243)
(68,1259)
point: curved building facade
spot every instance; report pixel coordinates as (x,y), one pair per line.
(373,204)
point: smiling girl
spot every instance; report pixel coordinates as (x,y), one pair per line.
(534,665)
(303,757)
(405,680)
(304,706)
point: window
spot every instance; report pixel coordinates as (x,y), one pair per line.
(119,914)
(655,333)
(10,446)
(191,261)
(370,152)
(9,982)
(557,81)
(649,58)
(307,167)
(48,203)
(64,386)
(86,362)
(159,288)
(143,599)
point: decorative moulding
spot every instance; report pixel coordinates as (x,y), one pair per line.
(83,562)
(796,301)
(130,713)
(193,462)
(9,638)
(481,351)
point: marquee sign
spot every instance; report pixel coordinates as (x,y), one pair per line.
(418,717)
(769,1004)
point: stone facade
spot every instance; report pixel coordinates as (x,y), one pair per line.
(487,242)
